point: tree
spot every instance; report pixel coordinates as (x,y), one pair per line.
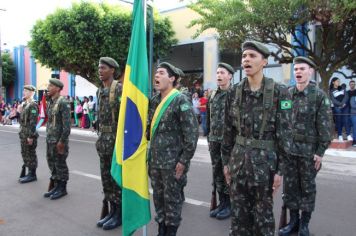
(274,21)
(8,69)
(74,39)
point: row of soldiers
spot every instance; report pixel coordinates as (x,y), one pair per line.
(259,131)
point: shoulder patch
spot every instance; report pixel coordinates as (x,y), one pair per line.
(185,107)
(286,104)
(327,101)
(33,111)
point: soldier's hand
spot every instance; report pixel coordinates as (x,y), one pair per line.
(179,170)
(276,183)
(227,175)
(60,148)
(29,141)
(317,160)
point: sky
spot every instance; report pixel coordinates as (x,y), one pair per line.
(20,16)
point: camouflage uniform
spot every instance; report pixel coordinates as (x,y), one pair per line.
(174,141)
(107,118)
(28,120)
(58,130)
(311,121)
(215,124)
(254,155)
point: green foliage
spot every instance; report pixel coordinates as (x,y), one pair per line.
(8,69)
(74,39)
(274,21)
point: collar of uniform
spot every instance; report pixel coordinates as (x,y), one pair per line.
(304,92)
(256,93)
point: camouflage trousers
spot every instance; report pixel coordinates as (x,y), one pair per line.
(218,168)
(167,195)
(28,153)
(299,183)
(105,148)
(252,210)
(57,162)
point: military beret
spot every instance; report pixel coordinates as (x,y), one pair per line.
(229,68)
(56,82)
(29,87)
(170,68)
(111,63)
(257,46)
(300,59)
(180,72)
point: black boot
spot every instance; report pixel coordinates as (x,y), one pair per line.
(304,224)
(31,176)
(162,229)
(171,230)
(115,220)
(214,212)
(106,217)
(52,187)
(61,190)
(23,172)
(293,224)
(226,209)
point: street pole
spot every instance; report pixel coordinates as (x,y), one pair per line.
(1,62)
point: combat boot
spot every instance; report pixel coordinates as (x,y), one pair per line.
(23,172)
(293,224)
(115,221)
(162,229)
(106,218)
(31,176)
(171,230)
(61,190)
(226,209)
(52,187)
(222,200)
(304,224)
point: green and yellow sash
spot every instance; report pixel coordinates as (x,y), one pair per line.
(160,110)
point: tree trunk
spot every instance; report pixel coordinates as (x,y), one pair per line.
(325,78)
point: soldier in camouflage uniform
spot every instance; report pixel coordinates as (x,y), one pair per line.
(256,138)
(173,134)
(109,95)
(215,123)
(311,121)
(58,130)
(28,135)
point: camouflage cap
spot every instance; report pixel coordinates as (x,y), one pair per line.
(56,82)
(180,72)
(29,87)
(170,68)
(229,68)
(301,59)
(257,46)
(111,63)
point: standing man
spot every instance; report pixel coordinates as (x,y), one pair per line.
(28,135)
(109,96)
(58,130)
(312,129)
(215,125)
(173,129)
(257,133)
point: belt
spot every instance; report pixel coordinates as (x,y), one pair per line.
(255,143)
(105,129)
(305,138)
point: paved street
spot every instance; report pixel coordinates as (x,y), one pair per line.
(24,212)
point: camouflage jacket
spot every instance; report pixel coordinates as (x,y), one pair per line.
(108,111)
(248,159)
(176,136)
(58,123)
(28,120)
(215,115)
(312,121)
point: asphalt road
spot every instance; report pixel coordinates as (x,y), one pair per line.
(24,212)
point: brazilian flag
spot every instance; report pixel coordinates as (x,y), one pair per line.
(129,166)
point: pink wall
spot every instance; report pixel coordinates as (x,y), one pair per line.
(27,56)
(64,78)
